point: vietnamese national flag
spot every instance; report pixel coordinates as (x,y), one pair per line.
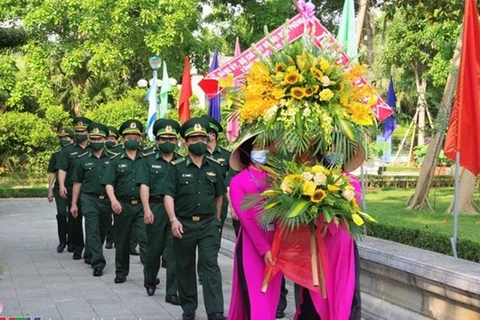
(185,93)
(463,133)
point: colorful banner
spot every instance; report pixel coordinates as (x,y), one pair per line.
(241,64)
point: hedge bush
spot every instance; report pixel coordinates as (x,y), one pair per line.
(406,182)
(426,239)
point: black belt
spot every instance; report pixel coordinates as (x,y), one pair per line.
(157,199)
(199,217)
(98,196)
(132,201)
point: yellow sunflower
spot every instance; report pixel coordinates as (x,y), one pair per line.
(318,196)
(317,73)
(280,67)
(310,91)
(297,93)
(292,77)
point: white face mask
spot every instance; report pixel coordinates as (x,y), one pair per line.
(259,156)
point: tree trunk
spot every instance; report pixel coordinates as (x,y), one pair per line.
(362,11)
(424,182)
(465,193)
(421,85)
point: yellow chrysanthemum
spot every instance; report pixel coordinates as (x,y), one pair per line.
(278,92)
(360,114)
(292,77)
(297,93)
(308,188)
(333,188)
(318,196)
(326,95)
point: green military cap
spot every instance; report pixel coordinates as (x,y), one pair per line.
(113,132)
(81,123)
(194,127)
(166,127)
(131,127)
(65,132)
(215,126)
(97,130)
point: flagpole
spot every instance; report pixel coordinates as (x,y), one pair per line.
(453,240)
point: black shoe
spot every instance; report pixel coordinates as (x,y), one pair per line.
(97,272)
(134,252)
(69,248)
(77,256)
(150,289)
(120,279)
(87,260)
(188,315)
(109,245)
(60,247)
(216,316)
(280,314)
(172,299)
(157,281)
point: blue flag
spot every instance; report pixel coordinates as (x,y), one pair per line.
(214,103)
(390,123)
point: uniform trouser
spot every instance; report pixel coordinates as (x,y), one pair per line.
(170,263)
(97,214)
(62,218)
(133,239)
(130,217)
(204,234)
(75,227)
(158,237)
(111,230)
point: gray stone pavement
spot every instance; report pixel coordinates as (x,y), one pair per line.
(37,281)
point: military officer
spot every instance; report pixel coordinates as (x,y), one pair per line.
(65,166)
(123,191)
(66,139)
(151,178)
(95,204)
(113,148)
(194,192)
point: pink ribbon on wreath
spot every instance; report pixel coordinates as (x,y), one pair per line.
(307,9)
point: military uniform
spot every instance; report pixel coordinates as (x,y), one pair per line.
(96,207)
(61,203)
(66,163)
(194,193)
(121,177)
(112,149)
(159,235)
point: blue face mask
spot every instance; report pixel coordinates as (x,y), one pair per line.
(332,159)
(259,156)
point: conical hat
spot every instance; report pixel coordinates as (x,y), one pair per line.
(234,161)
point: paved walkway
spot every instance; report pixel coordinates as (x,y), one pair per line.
(37,281)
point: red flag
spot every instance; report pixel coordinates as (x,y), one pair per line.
(185,93)
(464,129)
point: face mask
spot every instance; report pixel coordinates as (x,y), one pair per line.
(96,146)
(81,138)
(167,147)
(259,156)
(132,144)
(198,148)
(110,144)
(332,159)
(64,143)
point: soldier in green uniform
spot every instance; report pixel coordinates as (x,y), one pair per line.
(159,237)
(113,147)
(96,210)
(66,139)
(194,192)
(121,186)
(66,166)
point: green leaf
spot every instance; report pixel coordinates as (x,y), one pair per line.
(298,208)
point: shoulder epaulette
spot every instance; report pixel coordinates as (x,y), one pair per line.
(178,161)
(225,149)
(58,151)
(83,154)
(213,160)
(148,154)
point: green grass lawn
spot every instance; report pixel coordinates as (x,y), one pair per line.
(20,187)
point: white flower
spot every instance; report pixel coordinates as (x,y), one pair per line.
(325,81)
(307,176)
(348,194)
(307,112)
(320,179)
(286,188)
